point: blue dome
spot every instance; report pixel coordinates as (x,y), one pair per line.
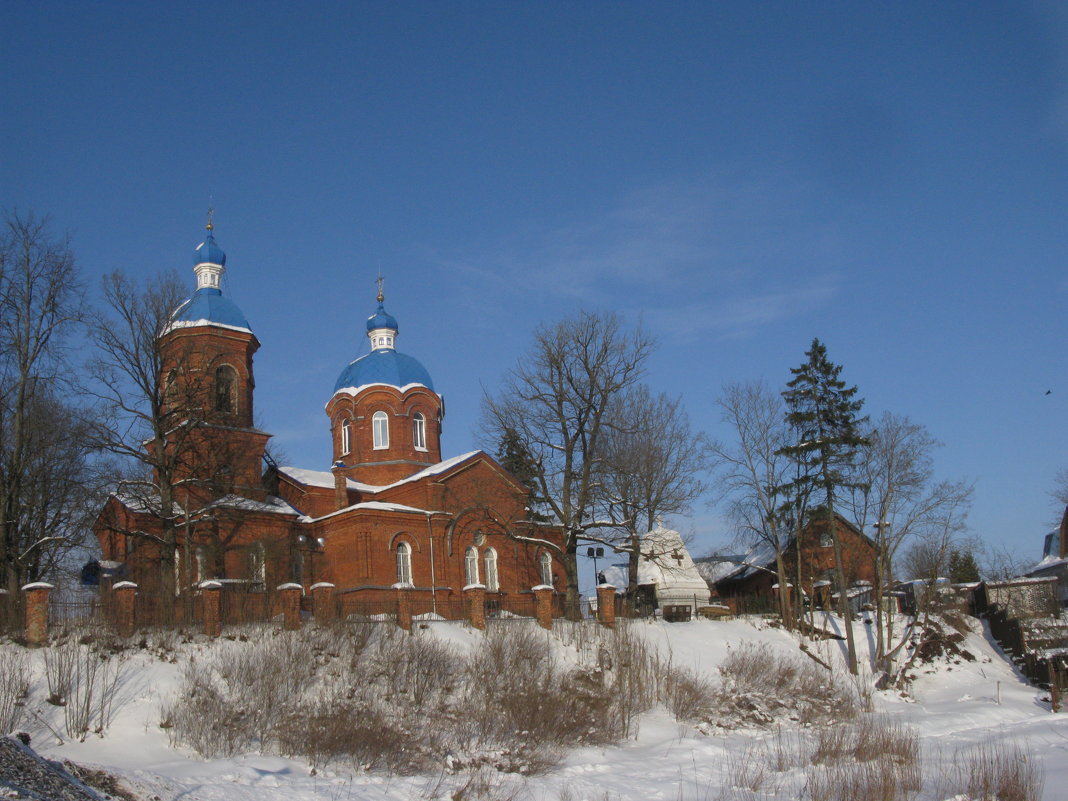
(207,252)
(381,319)
(384,367)
(210,305)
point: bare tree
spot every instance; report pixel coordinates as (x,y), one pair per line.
(557,402)
(753,473)
(895,495)
(654,465)
(155,397)
(44,461)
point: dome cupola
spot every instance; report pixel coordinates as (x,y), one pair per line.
(208,306)
(383,365)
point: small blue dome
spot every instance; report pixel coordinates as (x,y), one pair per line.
(207,252)
(381,319)
(384,367)
(209,305)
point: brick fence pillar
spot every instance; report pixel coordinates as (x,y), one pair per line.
(543,596)
(475,595)
(211,605)
(404,606)
(324,605)
(606,605)
(36,598)
(123,594)
(289,600)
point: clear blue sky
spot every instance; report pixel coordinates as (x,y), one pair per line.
(889,177)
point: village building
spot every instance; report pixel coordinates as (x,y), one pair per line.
(809,560)
(667,576)
(386,511)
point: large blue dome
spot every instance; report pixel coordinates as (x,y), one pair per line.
(210,306)
(207,252)
(384,367)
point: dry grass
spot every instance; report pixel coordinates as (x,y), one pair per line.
(996,770)
(381,699)
(82,676)
(761,685)
(14,687)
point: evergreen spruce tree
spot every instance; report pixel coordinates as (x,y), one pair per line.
(962,567)
(822,411)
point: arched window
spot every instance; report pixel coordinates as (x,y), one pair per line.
(404,563)
(226,389)
(490,559)
(419,431)
(257,566)
(546,565)
(380,429)
(201,566)
(346,437)
(471,565)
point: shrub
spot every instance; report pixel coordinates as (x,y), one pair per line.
(14,687)
(997,770)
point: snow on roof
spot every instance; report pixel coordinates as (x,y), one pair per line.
(324,478)
(271,505)
(379,506)
(670,566)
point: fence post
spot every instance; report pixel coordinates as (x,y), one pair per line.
(543,595)
(404,606)
(324,605)
(37,612)
(606,605)
(124,593)
(289,598)
(475,594)
(211,603)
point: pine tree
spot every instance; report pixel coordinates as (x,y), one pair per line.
(962,567)
(822,411)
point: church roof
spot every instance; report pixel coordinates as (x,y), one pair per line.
(207,252)
(383,367)
(209,307)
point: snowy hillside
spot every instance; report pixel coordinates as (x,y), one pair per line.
(953,710)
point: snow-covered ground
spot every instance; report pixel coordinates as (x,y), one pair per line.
(953,706)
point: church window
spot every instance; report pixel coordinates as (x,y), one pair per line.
(492,580)
(257,567)
(226,389)
(346,437)
(471,566)
(380,427)
(419,431)
(201,565)
(404,563)
(826,540)
(546,565)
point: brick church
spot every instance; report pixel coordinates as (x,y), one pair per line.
(387,512)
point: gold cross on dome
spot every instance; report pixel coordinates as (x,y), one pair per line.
(381,297)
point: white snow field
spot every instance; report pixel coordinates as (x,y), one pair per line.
(954,707)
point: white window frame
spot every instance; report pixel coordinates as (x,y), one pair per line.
(493,581)
(380,430)
(404,563)
(471,565)
(257,564)
(346,437)
(419,431)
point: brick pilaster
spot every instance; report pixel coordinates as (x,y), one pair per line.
(341,486)
(606,605)
(289,600)
(324,604)
(36,596)
(404,606)
(475,595)
(211,605)
(124,594)
(543,596)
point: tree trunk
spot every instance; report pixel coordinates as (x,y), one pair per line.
(844,608)
(572,607)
